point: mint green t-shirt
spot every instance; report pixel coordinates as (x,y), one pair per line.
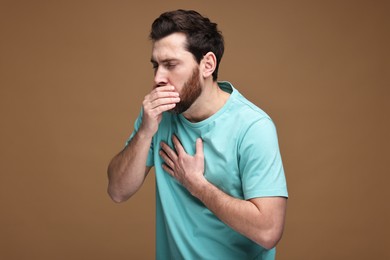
(242,159)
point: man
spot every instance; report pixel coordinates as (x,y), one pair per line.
(221,190)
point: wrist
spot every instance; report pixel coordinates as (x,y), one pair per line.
(143,133)
(200,188)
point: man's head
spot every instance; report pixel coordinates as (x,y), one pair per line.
(202,35)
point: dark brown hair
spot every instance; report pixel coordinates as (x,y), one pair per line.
(202,34)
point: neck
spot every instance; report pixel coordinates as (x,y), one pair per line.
(208,103)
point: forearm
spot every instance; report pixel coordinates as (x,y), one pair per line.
(262,225)
(127,170)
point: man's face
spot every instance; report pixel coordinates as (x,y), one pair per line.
(176,66)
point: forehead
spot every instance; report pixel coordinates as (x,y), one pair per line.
(171,47)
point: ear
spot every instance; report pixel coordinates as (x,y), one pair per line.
(209,63)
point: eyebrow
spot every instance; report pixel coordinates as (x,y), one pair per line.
(163,61)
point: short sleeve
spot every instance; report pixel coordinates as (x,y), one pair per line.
(260,162)
(137,124)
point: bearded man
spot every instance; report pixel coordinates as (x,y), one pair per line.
(220,186)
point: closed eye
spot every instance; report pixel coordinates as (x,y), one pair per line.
(170,66)
(155,65)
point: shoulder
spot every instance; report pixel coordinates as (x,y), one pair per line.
(246,112)
(252,124)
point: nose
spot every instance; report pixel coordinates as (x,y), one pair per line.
(160,76)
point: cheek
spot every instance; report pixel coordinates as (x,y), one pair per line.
(178,86)
(178,81)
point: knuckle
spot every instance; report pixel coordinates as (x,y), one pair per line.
(145,103)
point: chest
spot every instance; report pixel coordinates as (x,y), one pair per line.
(220,147)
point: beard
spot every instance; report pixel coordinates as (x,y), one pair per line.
(190,92)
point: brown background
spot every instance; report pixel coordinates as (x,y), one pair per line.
(74,73)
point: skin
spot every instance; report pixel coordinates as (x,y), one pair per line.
(259,219)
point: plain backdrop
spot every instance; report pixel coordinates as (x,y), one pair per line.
(73,75)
